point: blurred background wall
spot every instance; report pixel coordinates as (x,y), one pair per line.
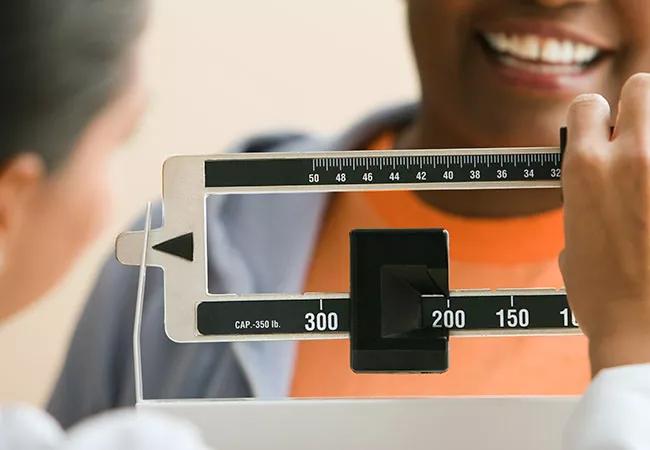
(218,71)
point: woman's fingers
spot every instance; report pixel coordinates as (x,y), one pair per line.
(633,121)
(588,122)
(588,144)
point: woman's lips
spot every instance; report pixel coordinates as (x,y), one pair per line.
(541,61)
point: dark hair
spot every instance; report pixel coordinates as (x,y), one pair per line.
(61,61)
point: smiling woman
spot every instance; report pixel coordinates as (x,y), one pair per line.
(502,73)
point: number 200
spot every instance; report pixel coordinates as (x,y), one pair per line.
(448,319)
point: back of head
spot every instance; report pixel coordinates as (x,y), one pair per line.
(60,63)
(70,91)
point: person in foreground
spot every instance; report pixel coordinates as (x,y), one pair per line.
(70,94)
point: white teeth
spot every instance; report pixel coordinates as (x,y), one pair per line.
(552,51)
(499,41)
(585,52)
(566,52)
(531,47)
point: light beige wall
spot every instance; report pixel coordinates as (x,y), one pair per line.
(220,69)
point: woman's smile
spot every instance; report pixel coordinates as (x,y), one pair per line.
(540,55)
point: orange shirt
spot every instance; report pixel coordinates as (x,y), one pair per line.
(484,253)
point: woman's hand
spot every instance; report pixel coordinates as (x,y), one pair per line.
(606,187)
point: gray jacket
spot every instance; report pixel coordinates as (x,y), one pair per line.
(98,371)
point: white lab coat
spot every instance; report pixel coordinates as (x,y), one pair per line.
(614,414)
(27,428)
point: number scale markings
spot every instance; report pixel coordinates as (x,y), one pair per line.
(465,313)
(393,169)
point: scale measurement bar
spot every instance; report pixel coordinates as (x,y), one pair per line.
(469,314)
(419,169)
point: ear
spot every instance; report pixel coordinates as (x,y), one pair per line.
(19,178)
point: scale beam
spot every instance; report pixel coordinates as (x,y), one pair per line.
(179,247)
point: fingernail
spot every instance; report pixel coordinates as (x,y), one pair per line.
(590,98)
